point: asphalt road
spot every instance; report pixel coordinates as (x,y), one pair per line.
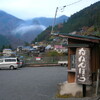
(38,83)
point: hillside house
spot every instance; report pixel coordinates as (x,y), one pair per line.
(60,49)
(7,52)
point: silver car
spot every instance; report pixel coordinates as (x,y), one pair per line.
(9,63)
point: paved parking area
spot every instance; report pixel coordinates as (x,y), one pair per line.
(38,83)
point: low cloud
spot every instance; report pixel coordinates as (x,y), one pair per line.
(22,29)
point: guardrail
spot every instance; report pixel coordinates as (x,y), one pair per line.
(45,60)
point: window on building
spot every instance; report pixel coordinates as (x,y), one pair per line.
(1,60)
(72,61)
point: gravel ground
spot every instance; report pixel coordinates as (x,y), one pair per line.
(38,83)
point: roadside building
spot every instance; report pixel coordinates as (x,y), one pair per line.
(49,47)
(19,48)
(7,52)
(83,64)
(60,49)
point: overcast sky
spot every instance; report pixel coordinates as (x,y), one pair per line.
(26,9)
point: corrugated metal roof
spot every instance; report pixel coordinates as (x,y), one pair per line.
(76,45)
(81,37)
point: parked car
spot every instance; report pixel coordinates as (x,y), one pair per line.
(21,63)
(63,63)
(9,63)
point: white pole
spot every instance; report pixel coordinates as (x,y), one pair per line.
(54,21)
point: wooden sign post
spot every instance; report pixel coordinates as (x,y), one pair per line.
(97,84)
(83,72)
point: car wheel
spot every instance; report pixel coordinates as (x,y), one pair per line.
(11,67)
(65,65)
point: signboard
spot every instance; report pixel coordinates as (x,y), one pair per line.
(83,72)
(38,58)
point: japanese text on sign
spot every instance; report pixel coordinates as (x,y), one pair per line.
(83,65)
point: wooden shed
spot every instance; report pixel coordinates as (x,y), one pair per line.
(90,61)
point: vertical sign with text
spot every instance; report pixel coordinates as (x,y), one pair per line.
(83,72)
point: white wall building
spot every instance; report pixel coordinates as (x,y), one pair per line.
(7,52)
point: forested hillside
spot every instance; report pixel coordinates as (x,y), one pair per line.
(84,22)
(3,41)
(87,17)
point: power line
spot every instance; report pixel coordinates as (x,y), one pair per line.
(62,8)
(74,3)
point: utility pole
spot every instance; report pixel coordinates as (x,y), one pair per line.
(61,11)
(54,20)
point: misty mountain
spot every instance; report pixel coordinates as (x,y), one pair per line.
(29,30)
(84,22)
(8,23)
(49,21)
(18,31)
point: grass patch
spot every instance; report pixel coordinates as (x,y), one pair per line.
(64,96)
(78,95)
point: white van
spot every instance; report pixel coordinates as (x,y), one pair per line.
(9,63)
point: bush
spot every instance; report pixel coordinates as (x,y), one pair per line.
(54,53)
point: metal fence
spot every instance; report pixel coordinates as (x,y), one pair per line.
(45,60)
